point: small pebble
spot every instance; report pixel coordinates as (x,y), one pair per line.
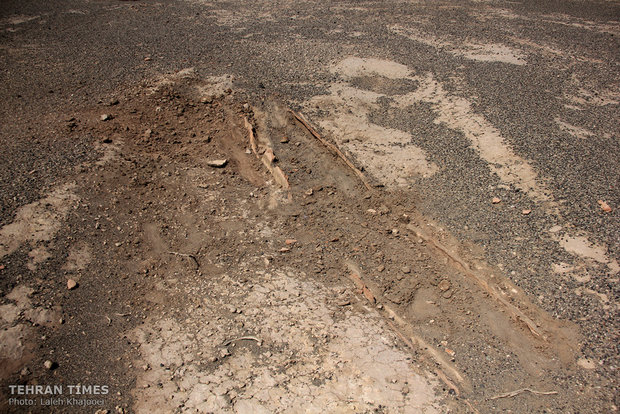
(217,163)
(444,285)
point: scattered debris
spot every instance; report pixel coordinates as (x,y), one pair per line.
(105,117)
(496,200)
(526,212)
(49,365)
(71,284)
(290,241)
(284,140)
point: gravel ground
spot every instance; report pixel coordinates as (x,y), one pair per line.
(540,80)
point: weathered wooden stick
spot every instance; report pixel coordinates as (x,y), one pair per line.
(522,390)
(334,149)
(512,309)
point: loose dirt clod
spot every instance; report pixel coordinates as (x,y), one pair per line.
(71,284)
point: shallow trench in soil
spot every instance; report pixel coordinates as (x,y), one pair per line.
(229,258)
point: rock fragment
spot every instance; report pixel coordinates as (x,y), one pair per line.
(217,163)
(269,155)
(604,206)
